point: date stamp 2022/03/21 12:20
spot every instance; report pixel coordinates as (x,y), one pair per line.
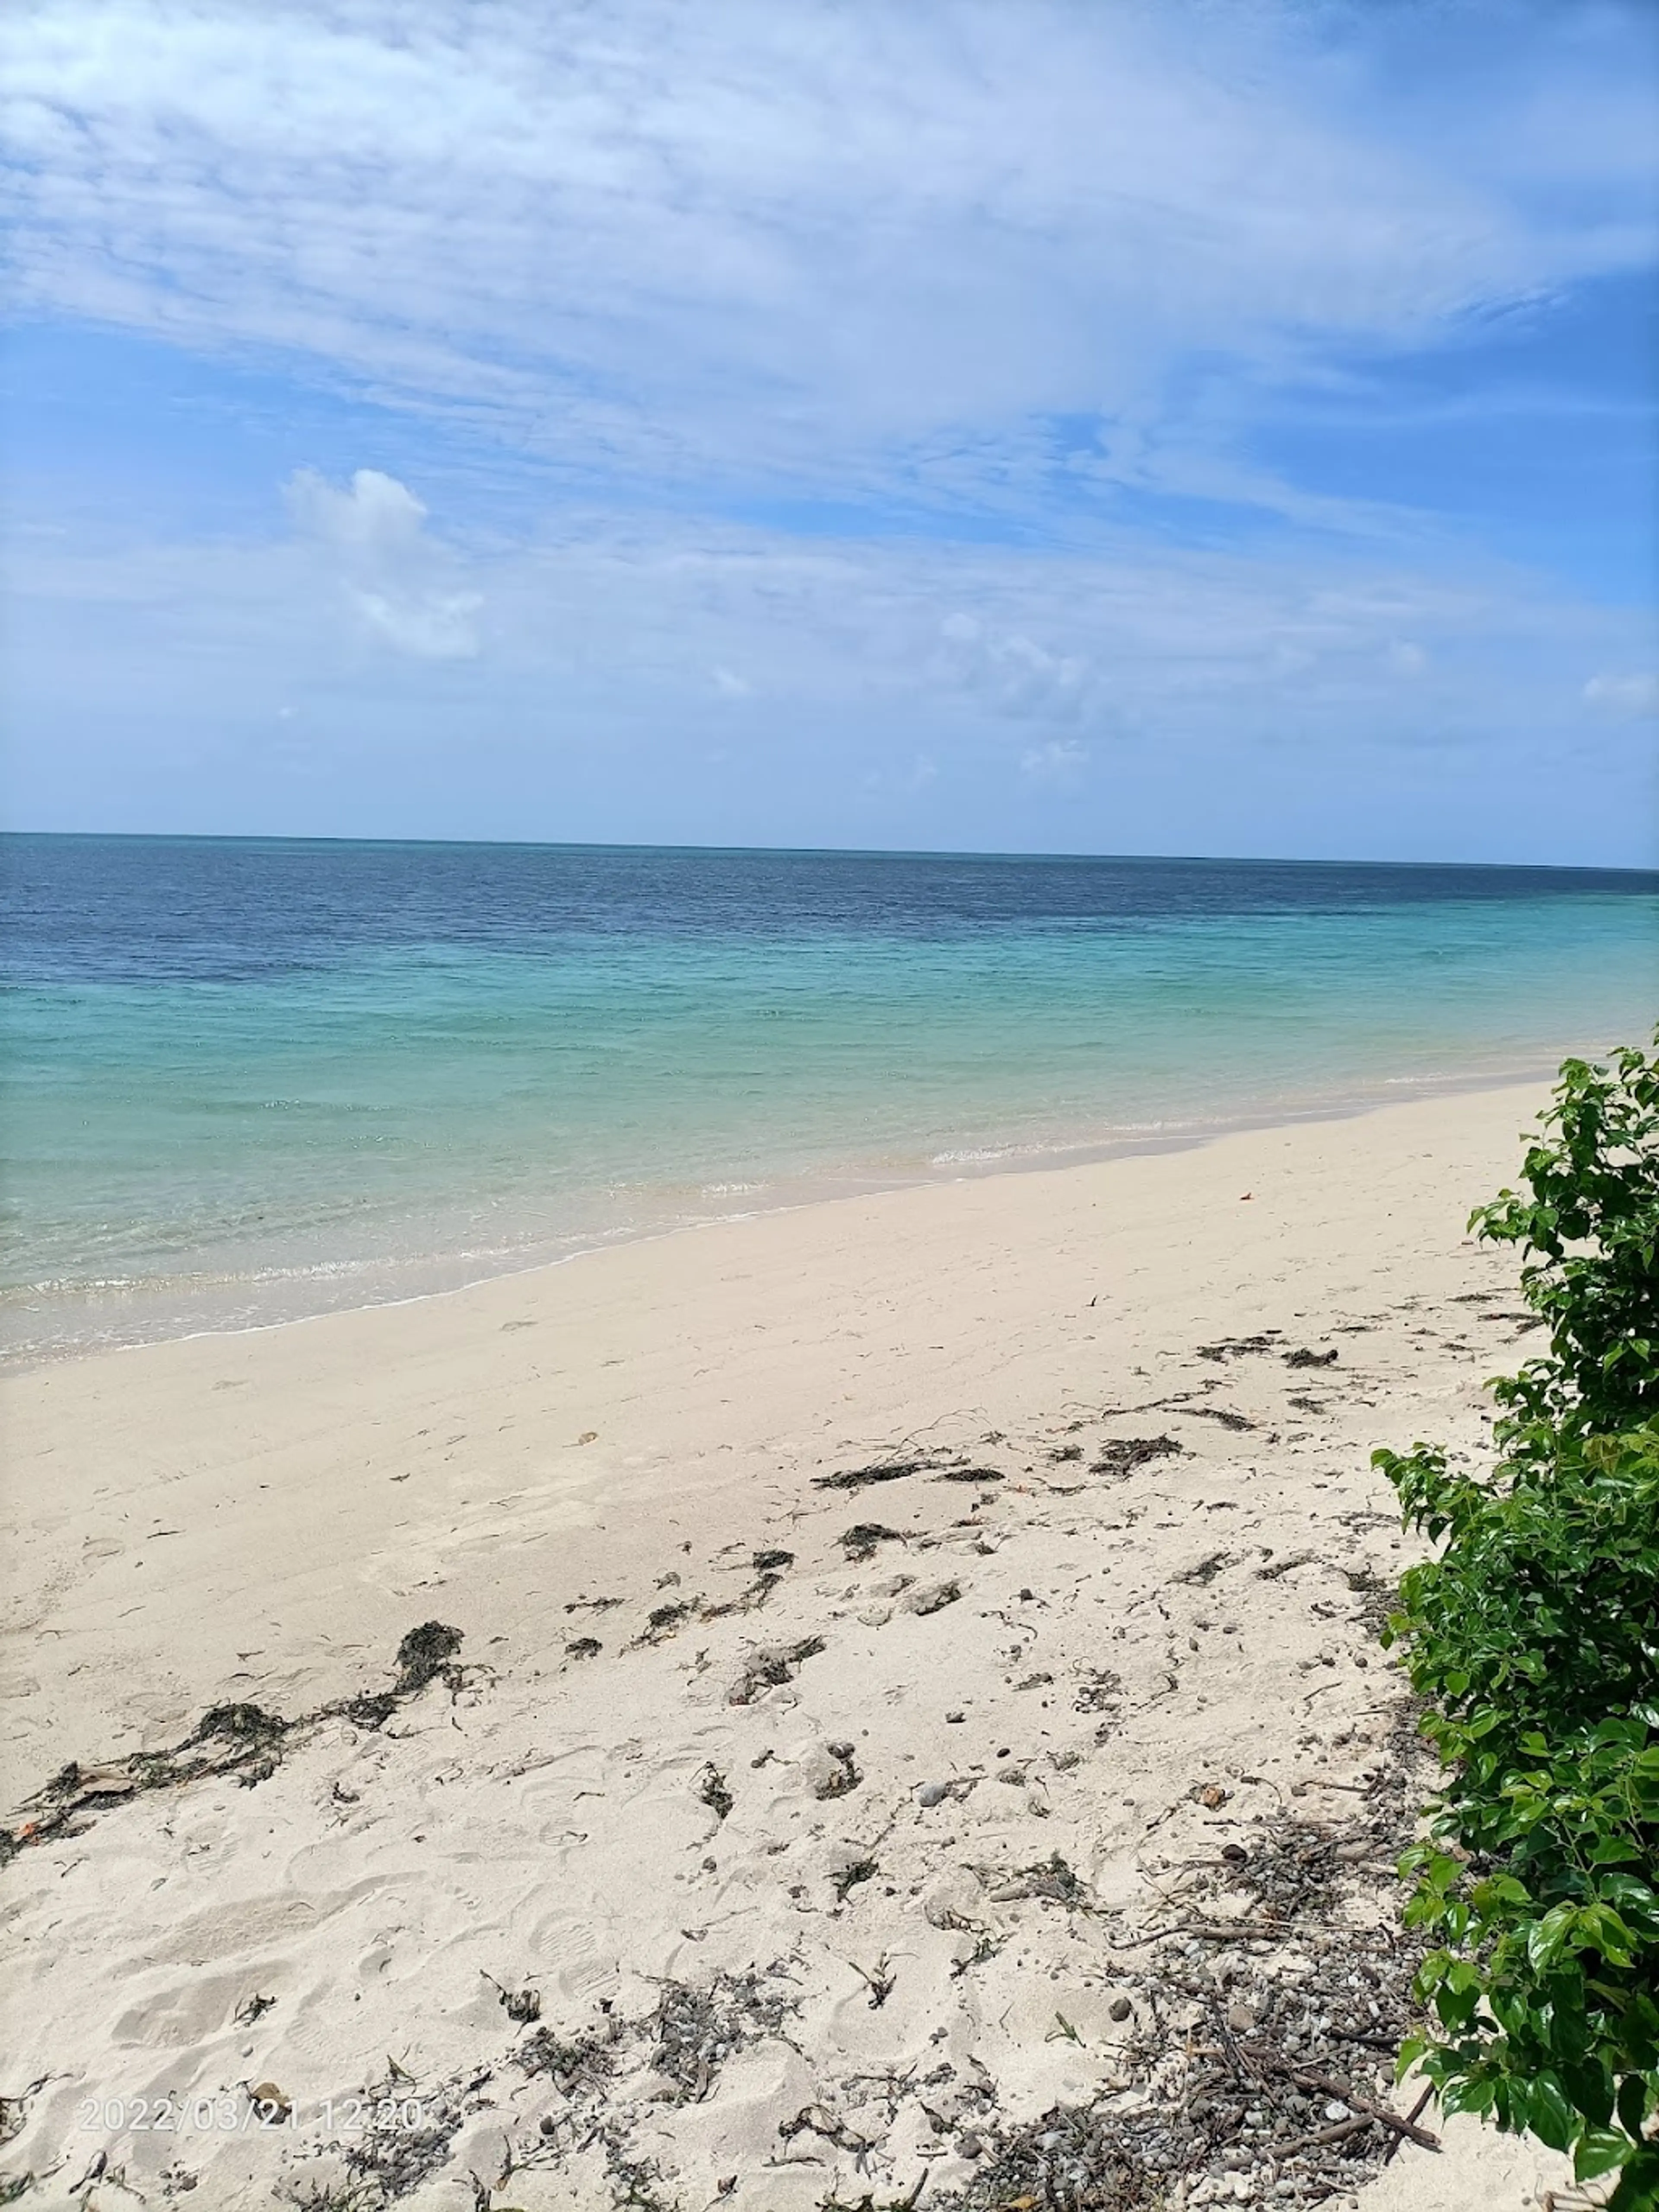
(263,2106)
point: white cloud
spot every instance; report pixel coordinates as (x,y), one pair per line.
(391,571)
(1407,658)
(805,240)
(1626,697)
(1013,673)
(1220,687)
(920,647)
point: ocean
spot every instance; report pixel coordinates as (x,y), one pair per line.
(250,1079)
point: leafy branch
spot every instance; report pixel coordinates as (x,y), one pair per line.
(1533,1638)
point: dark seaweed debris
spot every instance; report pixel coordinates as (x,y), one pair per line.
(944,1466)
(860,1541)
(664,1620)
(237,1739)
(863,1478)
(424,1653)
(712,1792)
(240,1724)
(1206,1570)
(1121,1456)
(1239,1347)
(1052,1879)
(765,1669)
(848,1877)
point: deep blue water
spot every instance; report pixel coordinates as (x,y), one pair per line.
(254,1077)
(134,909)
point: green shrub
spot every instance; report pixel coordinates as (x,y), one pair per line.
(1534,1639)
(1588,1228)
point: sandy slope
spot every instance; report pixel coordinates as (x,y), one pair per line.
(1127,1667)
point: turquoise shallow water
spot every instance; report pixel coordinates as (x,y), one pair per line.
(248,1080)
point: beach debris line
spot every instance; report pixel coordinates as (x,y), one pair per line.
(1256,2064)
(943,1466)
(240,1739)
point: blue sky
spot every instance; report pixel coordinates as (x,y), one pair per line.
(1207,426)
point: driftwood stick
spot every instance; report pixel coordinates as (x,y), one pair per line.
(1416,2113)
(1210,1931)
(1337,2132)
(1332,2086)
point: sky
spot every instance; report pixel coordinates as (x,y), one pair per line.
(1201,426)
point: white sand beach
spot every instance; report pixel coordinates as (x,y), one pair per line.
(815,1863)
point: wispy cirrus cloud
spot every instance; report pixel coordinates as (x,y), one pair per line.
(821,244)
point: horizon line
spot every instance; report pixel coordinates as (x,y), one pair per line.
(817,851)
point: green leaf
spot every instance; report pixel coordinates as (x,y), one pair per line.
(1599,2150)
(1547,1939)
(1551,2117)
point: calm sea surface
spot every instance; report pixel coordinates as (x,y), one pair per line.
(248,1079)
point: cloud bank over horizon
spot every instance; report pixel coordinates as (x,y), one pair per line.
(1200,427)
